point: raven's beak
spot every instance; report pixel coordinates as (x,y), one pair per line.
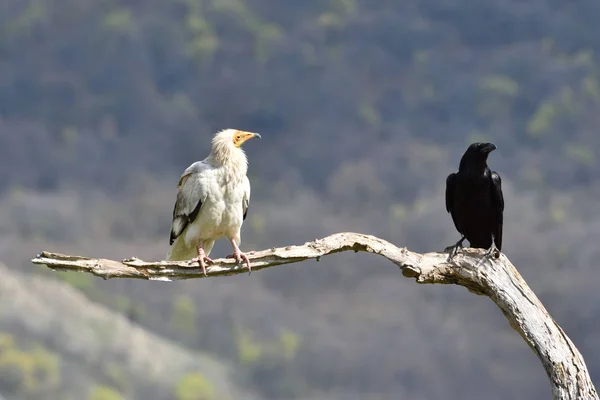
(489,147)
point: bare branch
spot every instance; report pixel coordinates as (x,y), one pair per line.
(496,278)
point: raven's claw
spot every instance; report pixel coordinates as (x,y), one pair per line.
(455,248)
(493,250)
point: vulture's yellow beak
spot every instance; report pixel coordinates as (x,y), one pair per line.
(240,137)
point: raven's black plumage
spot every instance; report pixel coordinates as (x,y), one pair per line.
(474,199)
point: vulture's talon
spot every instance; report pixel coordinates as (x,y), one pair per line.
(239,257)
(202,261)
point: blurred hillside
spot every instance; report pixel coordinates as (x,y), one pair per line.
(100,346)
(364,107)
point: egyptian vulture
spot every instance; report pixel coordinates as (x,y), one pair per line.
(212,201)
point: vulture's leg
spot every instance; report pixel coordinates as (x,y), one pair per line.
(239,256)
(454,249)
(202,258)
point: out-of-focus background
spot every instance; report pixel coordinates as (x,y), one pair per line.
(365,106)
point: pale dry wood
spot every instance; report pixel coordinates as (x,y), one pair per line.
(492,276)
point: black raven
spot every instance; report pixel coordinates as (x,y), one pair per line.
(475,201)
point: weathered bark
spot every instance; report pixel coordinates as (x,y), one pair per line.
(494,277)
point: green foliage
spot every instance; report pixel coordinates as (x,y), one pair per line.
(203,40)
(27,372)
(344,7)
(542,120)
(330,20)
(235,7)
(582,154)
(497,93)
(557,213)
(34,14)
(289,342)
(194,386)
(119,20)
(421,58)
(81,281)
(583,58)
(251,351)
(70,136)
(264,33)
(589,85)
(248,351)
(274,358)
(567,101)
(119,377)
(339,13)
(104,393)
(6,342)
(370,114)
(183,315)
(500,84)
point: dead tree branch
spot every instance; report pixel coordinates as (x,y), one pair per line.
(495,278)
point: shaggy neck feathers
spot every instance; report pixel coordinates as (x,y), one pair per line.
(226,155)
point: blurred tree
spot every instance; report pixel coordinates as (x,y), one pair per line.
(104,393)
(194,386)
(183,316)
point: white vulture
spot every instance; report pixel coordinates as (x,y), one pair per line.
(212,201)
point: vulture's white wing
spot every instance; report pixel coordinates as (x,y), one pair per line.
(190,196)
(246,199)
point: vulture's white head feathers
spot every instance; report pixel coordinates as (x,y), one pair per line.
(227,146)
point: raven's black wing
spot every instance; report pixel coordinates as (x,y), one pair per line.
(498,209)
(450,189)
